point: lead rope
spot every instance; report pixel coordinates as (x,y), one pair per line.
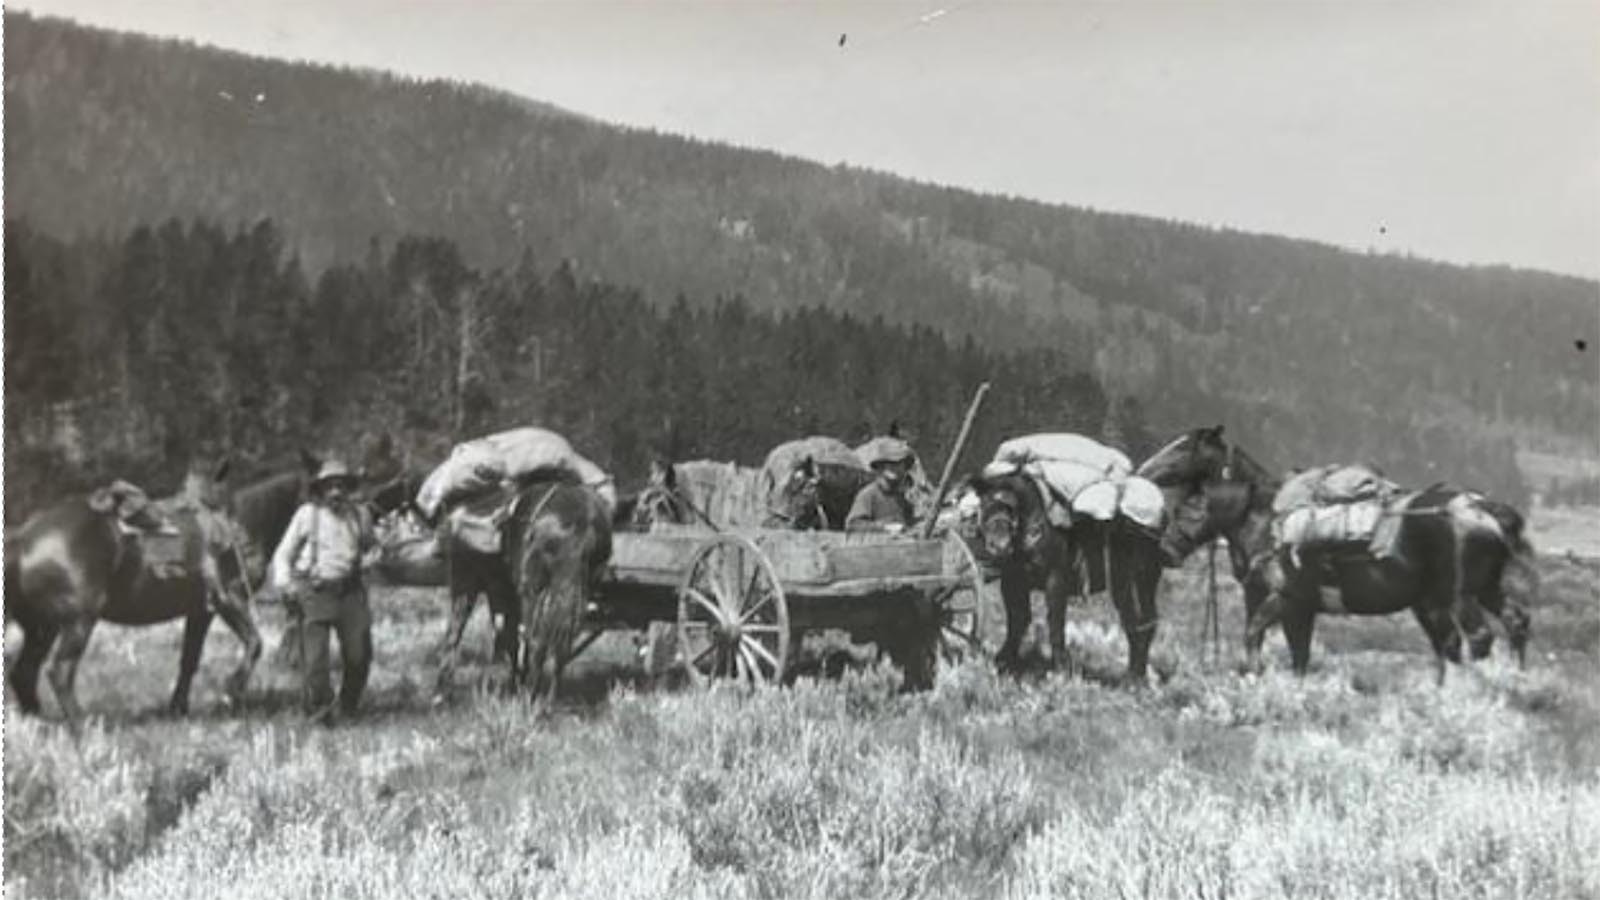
(1210,629)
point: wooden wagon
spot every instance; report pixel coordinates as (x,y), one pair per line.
(739,601)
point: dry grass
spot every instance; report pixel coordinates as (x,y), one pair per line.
(1361,780)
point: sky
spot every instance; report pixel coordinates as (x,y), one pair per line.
(1458,130)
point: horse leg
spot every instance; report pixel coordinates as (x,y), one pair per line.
(1057,589)
(1442,636)
(1299,620)
(1134,592)
(238,619)
(1263,604)
(37,638)
(64,669)
(1019,613)
(461,604)
(1514,617)
(194,641)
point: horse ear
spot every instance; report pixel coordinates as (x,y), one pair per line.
(671,476)
(220,474)
(894,428)
(1217,432)
(309,462)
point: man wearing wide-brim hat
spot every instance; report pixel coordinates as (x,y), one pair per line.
(883,504)
(329,541)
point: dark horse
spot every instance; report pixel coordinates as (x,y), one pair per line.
(557,544)
(1031,553)
(68,567)
(470,571)
(810,484)
(1451,563)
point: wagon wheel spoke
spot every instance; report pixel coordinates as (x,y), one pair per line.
(758,649)
(749,614)
(749,670)
(706,603)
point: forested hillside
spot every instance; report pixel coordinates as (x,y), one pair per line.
(124,356)
(1308,353)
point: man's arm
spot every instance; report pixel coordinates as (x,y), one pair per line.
(293,539)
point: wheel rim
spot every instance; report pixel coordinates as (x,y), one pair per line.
(961,612)
(733,620)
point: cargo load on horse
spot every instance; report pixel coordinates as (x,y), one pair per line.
(1080,477)
(520,455)
(1339,504)
(471,492)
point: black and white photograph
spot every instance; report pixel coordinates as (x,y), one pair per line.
(792,449)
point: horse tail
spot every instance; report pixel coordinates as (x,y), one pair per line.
(553,581)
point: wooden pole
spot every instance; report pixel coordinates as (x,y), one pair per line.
(954,457)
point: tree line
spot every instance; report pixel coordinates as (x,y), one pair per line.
(125,355)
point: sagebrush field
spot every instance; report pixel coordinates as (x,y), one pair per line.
(1361,781)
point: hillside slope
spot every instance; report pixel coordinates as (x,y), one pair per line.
(1308,352)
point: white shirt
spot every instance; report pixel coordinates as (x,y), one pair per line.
(321,544)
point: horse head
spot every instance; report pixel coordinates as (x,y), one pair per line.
(1191,460)
(206,483)
(659,501)
(1005,506)
(797,500)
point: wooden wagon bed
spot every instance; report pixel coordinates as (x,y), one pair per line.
(742,599)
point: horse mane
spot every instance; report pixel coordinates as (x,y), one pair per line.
(265,507)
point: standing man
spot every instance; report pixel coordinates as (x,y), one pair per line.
(320,558)
(883,504)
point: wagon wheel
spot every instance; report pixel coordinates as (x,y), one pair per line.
(961,609)
(733,621)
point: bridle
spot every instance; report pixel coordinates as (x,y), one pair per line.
(1002,505)
(658,503)
(798,520)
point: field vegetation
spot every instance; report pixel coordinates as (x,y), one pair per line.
(1362,780)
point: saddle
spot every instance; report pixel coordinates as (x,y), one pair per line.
(200,530)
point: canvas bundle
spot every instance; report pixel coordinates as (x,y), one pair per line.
(1333,485)
(1081,477)
(1330,524)
(521,454)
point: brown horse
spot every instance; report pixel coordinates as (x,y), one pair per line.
(1448,568)
(68,567)
(557,545)
(1018,537)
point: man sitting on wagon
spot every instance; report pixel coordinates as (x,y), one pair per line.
(884,505)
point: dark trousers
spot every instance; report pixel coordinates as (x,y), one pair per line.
(342,610)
